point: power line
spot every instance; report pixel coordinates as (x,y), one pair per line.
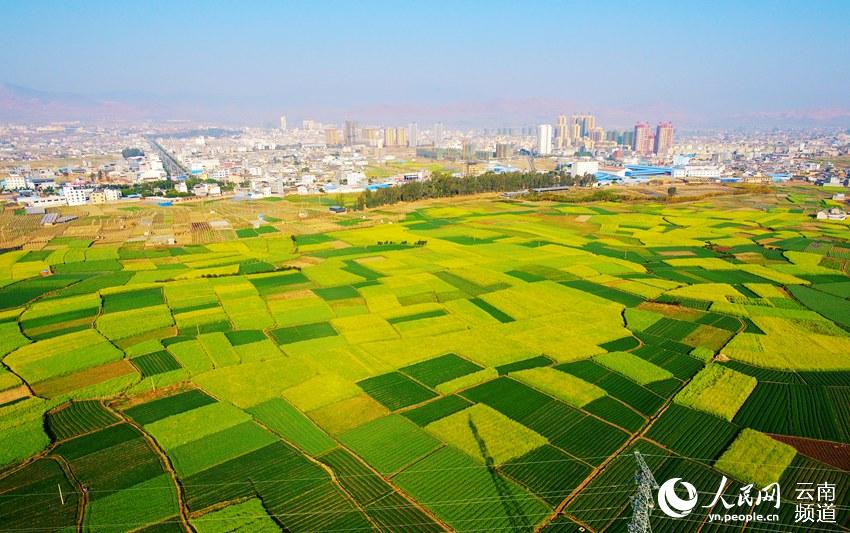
(413,470)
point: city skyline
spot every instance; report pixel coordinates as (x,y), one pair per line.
(474,67)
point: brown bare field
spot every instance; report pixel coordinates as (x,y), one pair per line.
(10,395)
(831,453)
(92,376)
(673,311)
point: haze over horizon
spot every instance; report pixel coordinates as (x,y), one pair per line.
(465,63)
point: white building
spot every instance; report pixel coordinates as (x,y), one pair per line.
(544,139)
(283,122)
(355,179)
(696,171)
(220,174)
(180,186)
(42,201)
(681,160)
(16,182)
(833,213)
(75,195)
(206,189)
(580,168)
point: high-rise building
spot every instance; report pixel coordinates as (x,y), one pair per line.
(308,124)
(597,135)
(395,136)
(586,125)
(663,138)
(371,136)
(627,138)
(350,132)
(333,137)
(390,138)
(642,142)
(439,132)
(468,150)
(563,132)
(401,136)
(283,122)
(413,134)
(544,139)
(575,133)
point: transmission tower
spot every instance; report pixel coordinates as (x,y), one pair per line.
(643,501)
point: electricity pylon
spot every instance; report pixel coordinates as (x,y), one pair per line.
(643,501)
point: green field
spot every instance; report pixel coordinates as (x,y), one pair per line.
(470,366)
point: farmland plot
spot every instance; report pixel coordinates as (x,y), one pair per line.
(480,375)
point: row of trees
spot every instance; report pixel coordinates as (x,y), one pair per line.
(443,186)
(166,188)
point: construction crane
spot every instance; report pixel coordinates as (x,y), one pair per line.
(531,155)
(643,501)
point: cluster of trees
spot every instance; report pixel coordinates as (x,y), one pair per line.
(443,185)
(166,188)
(132,152)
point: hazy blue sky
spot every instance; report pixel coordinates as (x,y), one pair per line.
(697,62)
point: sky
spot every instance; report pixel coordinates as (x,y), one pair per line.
(489,62)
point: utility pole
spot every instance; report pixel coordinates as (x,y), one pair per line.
(643,501)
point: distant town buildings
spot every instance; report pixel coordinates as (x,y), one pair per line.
(283,122)
(315,157)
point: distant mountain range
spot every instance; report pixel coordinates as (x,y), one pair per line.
(26,105)
(22,104)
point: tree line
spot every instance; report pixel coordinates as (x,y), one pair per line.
(444,185)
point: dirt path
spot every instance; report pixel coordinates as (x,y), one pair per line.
(84,496)
(167,466)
